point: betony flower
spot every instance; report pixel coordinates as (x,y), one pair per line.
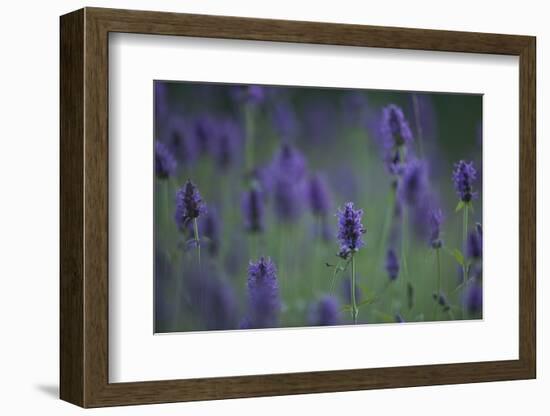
(395,127)
(350,230)
(473,298)
(474,245)
(464,175)
(227,143)
(263,294)
(205,129)
(325,312)
(180,141)
(319,195)
(436,218)
(189,205)
(165,164)
(211,228)
(253,210)
(392,264)
(414,182)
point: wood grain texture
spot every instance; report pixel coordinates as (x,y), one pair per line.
(84,207)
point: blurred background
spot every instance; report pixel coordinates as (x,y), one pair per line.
(273,165)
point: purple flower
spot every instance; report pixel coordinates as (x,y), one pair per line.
(355,108)
(319,195)
(325,312)
(284,120)
(395,128)
(227,145)
(350,230)
(474,244)
(189,204)
(464,176)
(263,294)
(211,228)
(414,182)
(289,162)
(392,264)
(165,164)
(436,218)
(473,298)
(253,210)
(181,141)
(252,94)
(205,129)
(211,299)
(288,170)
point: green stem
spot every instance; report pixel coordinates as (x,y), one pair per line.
(464,264)
(354,310)
(197,242)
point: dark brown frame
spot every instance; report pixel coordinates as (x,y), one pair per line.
(84,207)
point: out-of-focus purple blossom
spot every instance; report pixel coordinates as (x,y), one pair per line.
(473,298)
(165,164)
(319,195)
(346,291)
(395,128)
(205,129)
(399,319)
(253,210)
(350,230)
(288,199)
(211,229)
(180,140)
(162,108)
(289,162)
(355,108)
(436,218)
(189,205)
(414,183)
(474,245)
(263,294)
(227,144)
(464,176)
(284,120)
(325,312)
(288,170)
(392,264)
(211,299)
(320,121)
(251,94)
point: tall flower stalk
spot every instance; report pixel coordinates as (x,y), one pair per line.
(350,236)
(189,206)
(464,176)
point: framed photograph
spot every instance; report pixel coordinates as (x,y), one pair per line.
(262,207)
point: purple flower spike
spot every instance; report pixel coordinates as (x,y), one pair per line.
(205,130)
(350,230)
(211,228)
(464,176)
(289,162)
(325,312)
(189,204)
(436,218)
(474,245)
(473,298)
(284,120)
(319,195)
(392,264)
(253,210)
(263,293)
(165,164)
(395,128)
(227,144)
(414,183)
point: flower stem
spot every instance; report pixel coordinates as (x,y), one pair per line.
(196,231)
(464,265)
(354,310)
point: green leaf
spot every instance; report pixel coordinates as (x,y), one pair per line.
(457,255)
(459,206)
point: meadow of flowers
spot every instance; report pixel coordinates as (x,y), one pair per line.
(293,206)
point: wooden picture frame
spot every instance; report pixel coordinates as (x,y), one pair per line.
(84,207)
